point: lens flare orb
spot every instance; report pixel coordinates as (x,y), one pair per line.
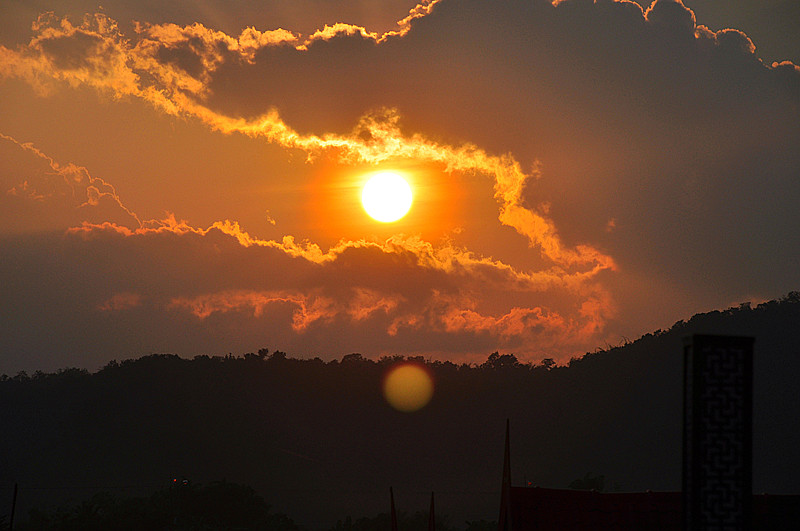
(408,387)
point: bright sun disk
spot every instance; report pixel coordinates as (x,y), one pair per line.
(386,197)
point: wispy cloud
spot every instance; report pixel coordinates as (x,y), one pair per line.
(66,188)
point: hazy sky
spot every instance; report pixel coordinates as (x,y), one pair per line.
(185,177)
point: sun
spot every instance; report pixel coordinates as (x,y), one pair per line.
(386,197)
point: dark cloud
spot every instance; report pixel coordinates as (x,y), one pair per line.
(672,17)
(773,25)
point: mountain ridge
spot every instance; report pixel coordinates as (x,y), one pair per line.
(319,442)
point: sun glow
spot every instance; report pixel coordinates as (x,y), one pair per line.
(386,197)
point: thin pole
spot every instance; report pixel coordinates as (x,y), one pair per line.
(13,508)
(431,517)
(393,514)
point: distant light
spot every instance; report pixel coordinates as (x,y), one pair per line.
(408,387)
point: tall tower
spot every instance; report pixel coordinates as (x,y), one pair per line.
(717,433)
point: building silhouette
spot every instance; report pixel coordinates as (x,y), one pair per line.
(717,456)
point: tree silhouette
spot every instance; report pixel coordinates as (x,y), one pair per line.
(218,506)
(292,427)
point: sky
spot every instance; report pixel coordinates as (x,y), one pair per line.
(185,177)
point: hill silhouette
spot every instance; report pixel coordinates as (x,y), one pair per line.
(319,443)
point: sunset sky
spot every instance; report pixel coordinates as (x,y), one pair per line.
(186,177)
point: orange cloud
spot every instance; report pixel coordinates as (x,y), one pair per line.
(421,10)
(96,54)
(24,189)
(405,286)
(307,308)
(454,315)
(367,302)
(121,301)
(662,115)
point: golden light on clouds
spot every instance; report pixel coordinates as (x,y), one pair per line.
(350,264)
(408,387)
(386,197)
(220,175)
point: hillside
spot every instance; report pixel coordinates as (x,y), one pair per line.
(319,442)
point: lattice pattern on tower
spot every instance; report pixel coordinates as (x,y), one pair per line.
(718,396)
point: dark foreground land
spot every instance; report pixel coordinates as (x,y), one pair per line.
(317,442)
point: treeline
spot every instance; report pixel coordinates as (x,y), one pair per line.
(279,360)
(318,440)
(220,505)
(217,506)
